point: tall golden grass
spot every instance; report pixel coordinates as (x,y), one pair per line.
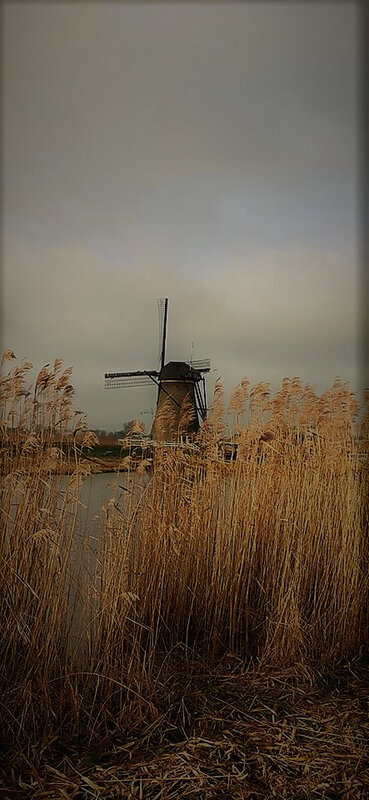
(263,558)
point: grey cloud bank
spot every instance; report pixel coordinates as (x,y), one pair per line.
(206,153)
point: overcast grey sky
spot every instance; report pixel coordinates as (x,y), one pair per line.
(204,152)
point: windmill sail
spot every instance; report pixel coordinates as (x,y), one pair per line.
(202,364)
(163,319)
(119,380)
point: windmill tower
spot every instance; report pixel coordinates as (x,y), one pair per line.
(181,389)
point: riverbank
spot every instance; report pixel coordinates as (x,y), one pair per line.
(97,466)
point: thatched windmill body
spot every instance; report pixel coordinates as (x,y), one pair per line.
(181,395)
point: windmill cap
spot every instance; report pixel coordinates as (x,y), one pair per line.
(179,370)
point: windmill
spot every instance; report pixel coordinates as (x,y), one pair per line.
(181,388)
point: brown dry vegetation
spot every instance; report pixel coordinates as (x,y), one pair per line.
(222,628)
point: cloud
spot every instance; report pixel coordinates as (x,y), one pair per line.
(204,153)
(103,107)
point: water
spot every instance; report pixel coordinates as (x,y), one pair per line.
(95,493)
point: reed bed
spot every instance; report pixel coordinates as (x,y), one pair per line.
(223,620)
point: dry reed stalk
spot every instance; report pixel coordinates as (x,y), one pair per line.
(264,558)
(37,543)
(186,415)
(166,424)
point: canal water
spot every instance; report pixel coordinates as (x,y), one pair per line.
(96,491)
(88,515)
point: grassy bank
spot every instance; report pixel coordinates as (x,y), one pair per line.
(67,454)
(223,627)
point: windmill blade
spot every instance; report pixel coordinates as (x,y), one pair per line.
(202,364)
(161,325)
(120,383)
(200,397)
(163,319)
(119,380)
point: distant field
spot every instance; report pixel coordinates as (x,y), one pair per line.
(224,628)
